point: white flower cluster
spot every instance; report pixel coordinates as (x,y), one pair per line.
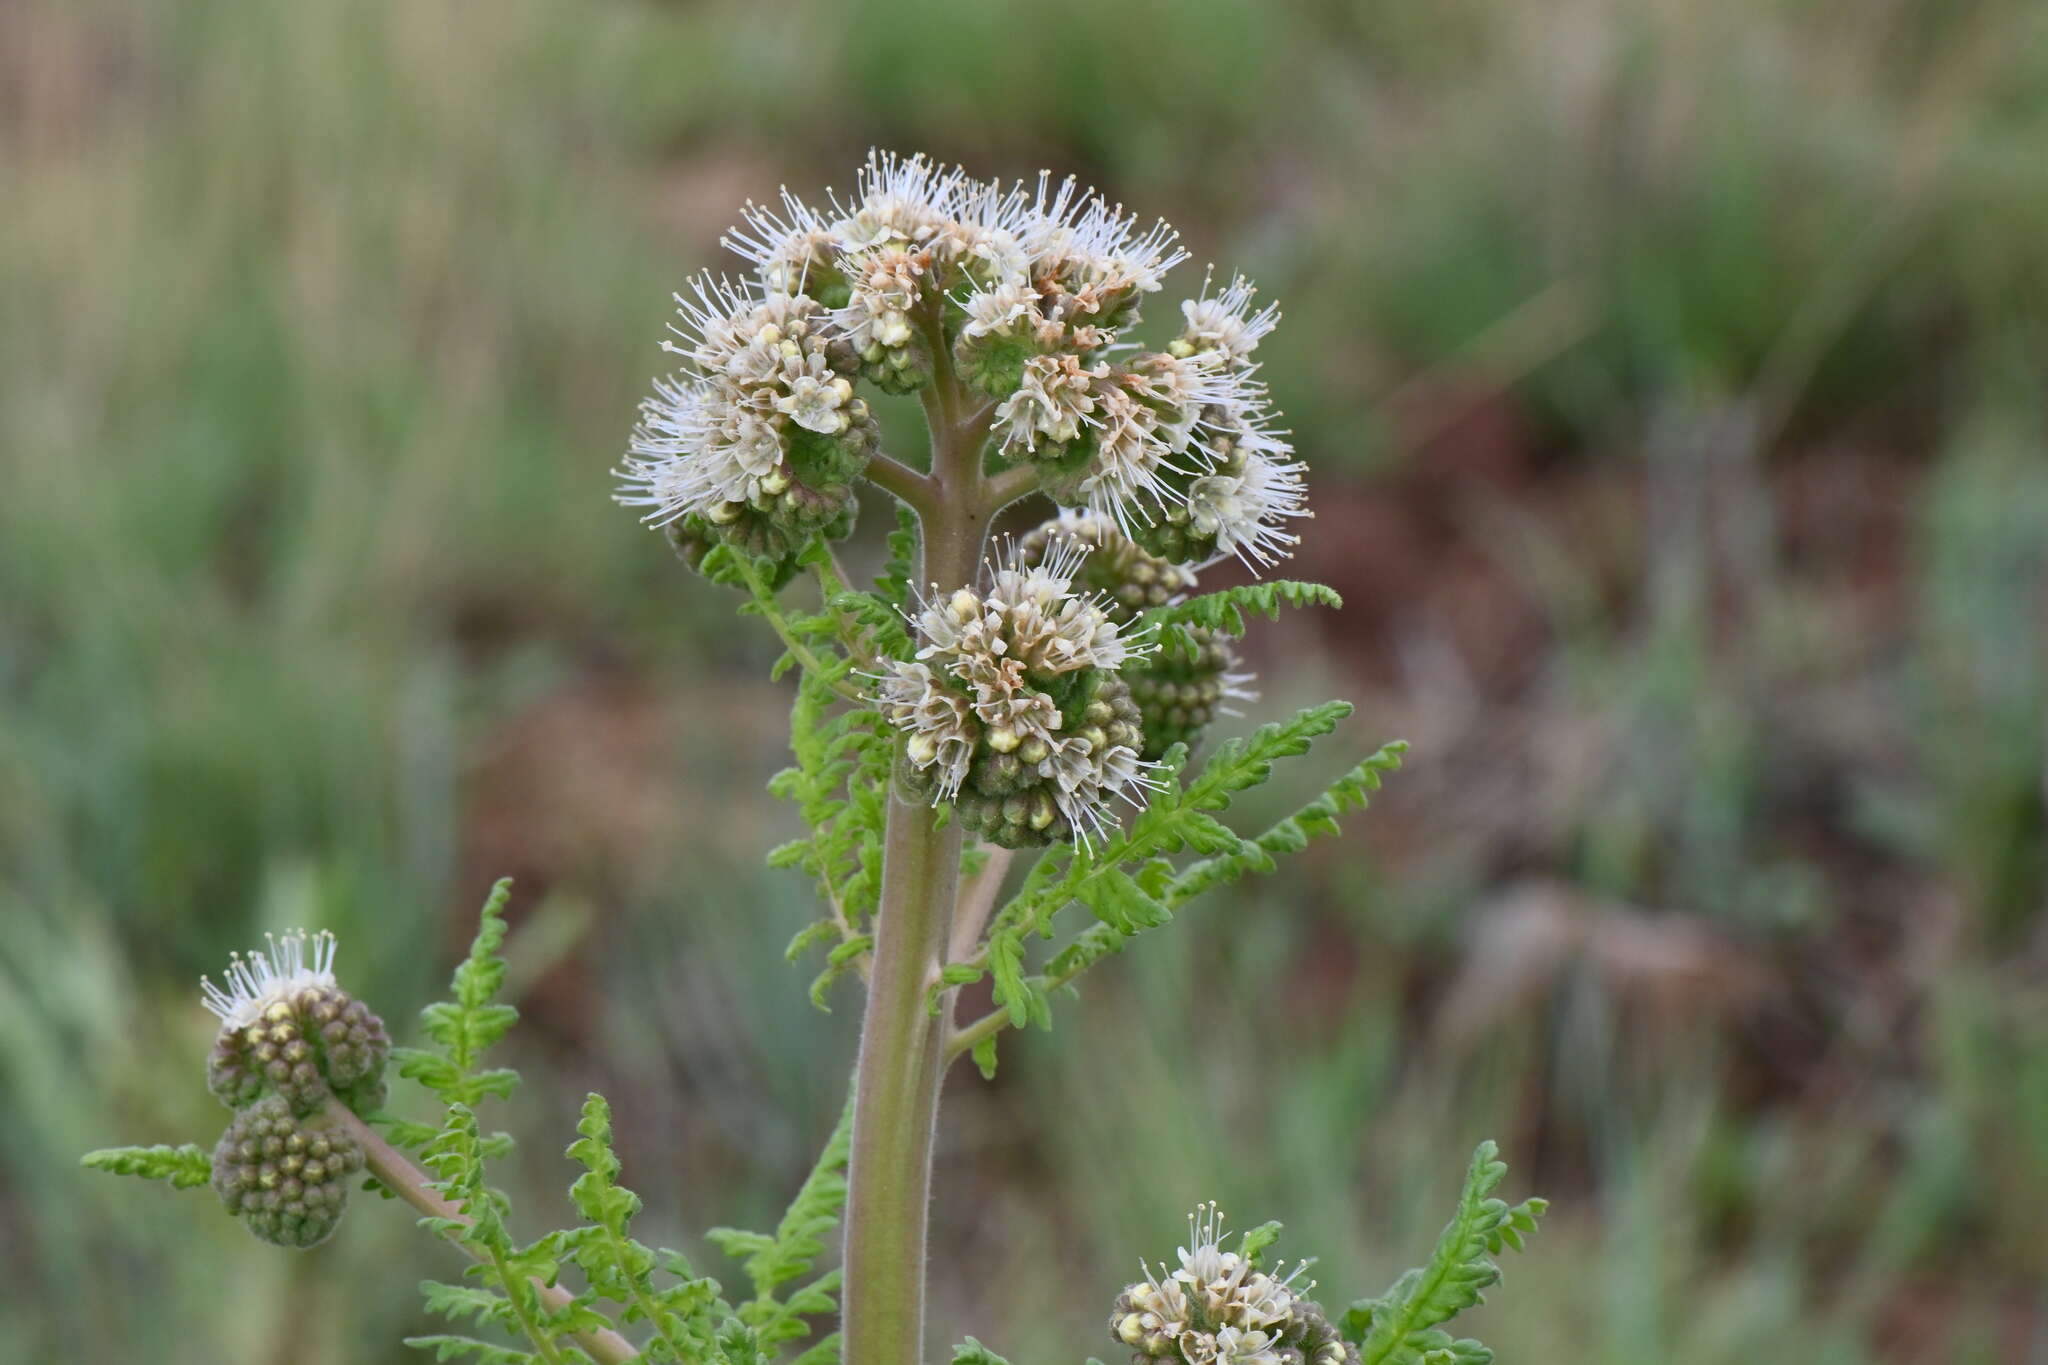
(1030,286)
(1012,708)
(761,420)
(1216,1309)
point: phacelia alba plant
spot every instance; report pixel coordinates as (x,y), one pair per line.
(1040,694)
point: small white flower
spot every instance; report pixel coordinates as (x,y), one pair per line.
(1244,1346)
(1056,397)
(293,962)
(1246,511)
(902,199)
(816,398)
(887,284)
(1134,448)
(785,247)
(941,733)
(1226,323)
(1093,248)
(999,308)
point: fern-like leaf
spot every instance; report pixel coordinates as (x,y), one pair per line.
(470,1022)
(184,1167)
(792,1251)
(1400,1327)
(1179,626)
(685,1316)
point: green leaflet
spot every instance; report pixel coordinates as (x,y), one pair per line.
(1400,1327)
(792,1251)
(1130,884)
(1125,904)
(682,1312)
(1224,611)
(185,1167)
(840,786)
(894,581)
(471,1022)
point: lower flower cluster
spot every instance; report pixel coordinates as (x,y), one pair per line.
(284,1176)
(1220,1308)
(1014,710)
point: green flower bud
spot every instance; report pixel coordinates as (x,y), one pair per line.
(284,1176)
(1180,695)
(903,368)
(1177,694)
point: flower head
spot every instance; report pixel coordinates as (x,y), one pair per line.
(297,962)
(1027,289)
(1219,1306)
(1013,708)
(758,438)
(1224,324)
(288,1029)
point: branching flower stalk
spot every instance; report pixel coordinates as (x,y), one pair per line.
(1030,704)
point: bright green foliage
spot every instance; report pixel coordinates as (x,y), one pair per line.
(1317,819)
(790,1254)
(840,781)
(894,582)
(685,1314)
(510,1275)
(1402,1326)
(1255,1241)
(840,785)
(471,1022)
(972,1352)
(687,1319)
(1178,625)
(1130,884)
(185,1167)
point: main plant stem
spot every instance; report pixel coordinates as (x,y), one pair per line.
(896,1100)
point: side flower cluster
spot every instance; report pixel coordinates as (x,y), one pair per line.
(1218,1308)
(1014,709)
(1178,693)
(289,1038)
(759,439)
(1029,287)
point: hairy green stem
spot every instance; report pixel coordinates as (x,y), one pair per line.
(907,484)
(1010,485)
(408,1182)
(977,903)
(901,1066)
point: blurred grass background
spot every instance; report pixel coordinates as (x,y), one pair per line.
(1672,377)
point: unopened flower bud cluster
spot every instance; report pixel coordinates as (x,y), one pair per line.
(1178,693)
(290,1038)
(284,1176)
(1218,1308)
